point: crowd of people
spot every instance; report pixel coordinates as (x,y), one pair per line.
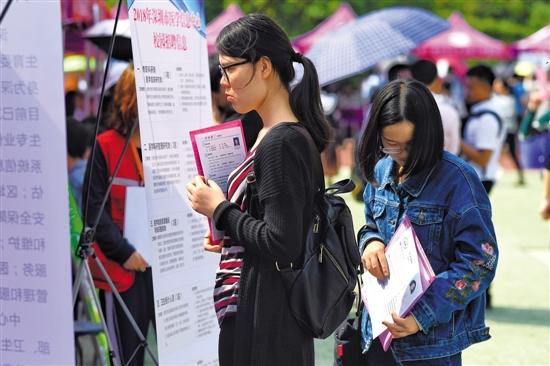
(484,115)
(520,101)
(421,153)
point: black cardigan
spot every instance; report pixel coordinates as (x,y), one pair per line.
(282,166)
(267,333)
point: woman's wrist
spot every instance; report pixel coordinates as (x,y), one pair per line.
(370,241)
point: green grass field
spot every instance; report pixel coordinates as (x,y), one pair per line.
(520,319)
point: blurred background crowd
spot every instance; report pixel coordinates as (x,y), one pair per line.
(512,38)
(490,59)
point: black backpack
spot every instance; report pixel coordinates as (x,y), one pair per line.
(320,291)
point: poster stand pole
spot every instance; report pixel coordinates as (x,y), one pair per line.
(87,237)
(5,10)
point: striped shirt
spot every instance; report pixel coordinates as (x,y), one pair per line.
(226,290)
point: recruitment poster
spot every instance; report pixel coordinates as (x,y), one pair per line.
(172,80)
(36,318)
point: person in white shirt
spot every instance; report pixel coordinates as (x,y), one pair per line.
(426,72)
(484,132)
(507,109)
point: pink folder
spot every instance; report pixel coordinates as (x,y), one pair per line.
(427,276)
(215,235)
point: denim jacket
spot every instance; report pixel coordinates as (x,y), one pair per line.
(451,215)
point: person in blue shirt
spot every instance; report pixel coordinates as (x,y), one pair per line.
(408,174)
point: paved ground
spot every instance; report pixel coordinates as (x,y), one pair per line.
(520,320)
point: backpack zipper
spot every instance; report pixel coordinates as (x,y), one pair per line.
(316,224)
(333,260)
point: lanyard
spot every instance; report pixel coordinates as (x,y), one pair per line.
(137,162)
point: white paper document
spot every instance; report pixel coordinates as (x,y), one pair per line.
(410,276)
(170,61)
(135,222)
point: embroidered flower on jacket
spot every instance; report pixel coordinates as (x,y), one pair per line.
(487,248)
(470,283)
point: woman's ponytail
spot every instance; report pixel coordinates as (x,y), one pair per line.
(257,35)
(305,101)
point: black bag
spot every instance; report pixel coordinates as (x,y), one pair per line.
(347,340)
(320,290)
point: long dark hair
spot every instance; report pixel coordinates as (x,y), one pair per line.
(398,101)
(256,35)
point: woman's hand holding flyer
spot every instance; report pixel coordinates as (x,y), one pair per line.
(389,300)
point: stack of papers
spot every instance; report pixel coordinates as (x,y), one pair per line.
(410,276)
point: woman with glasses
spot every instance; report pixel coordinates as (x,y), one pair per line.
(408,173)
(266,230)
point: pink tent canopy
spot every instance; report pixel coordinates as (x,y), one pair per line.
(78,11)
(340,17)
(462,41)
(232,13)
(123,12)
(536,42)
(78,15)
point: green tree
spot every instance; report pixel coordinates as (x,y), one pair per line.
(507,20)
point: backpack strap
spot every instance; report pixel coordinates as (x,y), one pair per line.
(343,186)
(360,306)
(476,115)
(319,180)
(479,114)
(252,202)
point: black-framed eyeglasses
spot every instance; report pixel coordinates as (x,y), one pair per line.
(223,69)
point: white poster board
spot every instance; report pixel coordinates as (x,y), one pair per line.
(36,318)
(172,80)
